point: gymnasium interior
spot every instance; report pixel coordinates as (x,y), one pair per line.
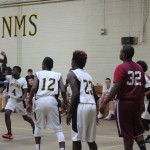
(33,29)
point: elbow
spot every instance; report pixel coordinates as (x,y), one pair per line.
(63,91)
(116,88)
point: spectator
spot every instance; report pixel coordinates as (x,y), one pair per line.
(29,77)
(106,89)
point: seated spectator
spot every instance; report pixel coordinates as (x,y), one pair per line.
(106,89)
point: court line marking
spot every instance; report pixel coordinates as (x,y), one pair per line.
(110,147)
(52,132)
(105,148)
(49,130)
(108,137)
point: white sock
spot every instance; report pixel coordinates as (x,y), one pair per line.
(62,149)
(37,146)
(100,115)
(111,112)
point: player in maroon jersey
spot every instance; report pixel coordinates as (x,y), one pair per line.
(128,86)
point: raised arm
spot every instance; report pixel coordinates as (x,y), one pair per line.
(4,60)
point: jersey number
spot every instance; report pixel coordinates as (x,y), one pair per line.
(135,78)
(50,87)
(88,85)
(14,92)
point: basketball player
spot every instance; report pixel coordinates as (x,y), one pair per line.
(129,82)
(4,59)
(146,113)
(16,93)
(82,108)
(47,83)
(4,62)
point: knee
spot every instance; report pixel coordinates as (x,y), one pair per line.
(7,113)
(37,132)
(60,137)
(25,117)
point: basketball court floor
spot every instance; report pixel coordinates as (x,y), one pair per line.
(107,138)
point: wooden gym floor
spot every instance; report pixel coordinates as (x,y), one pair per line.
(107,138)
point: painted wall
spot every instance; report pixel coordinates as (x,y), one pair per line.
(67,26)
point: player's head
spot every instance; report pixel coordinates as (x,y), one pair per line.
(126,53)
(16,71)
(30,81)
(30,72)
(79,59)
(108,82)
(143,64)
(47,63)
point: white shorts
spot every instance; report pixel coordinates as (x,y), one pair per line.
(86,123)
(12,104)
(47,114)
(145,114)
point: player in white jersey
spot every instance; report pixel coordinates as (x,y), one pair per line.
(146,113)
(3,60)
(47,83)
(17,92)
(82,110)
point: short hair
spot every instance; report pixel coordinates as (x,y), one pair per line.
(143,64)
(128,51)
(80,58)
(48,62)
(30,70)
(32,77)
(18,68)
(108,79)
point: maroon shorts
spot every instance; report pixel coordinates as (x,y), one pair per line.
(128,118)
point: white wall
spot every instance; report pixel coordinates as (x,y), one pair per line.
(67,26)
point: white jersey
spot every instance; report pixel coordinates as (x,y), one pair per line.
(16,86)
(147,85)
(146,114)
(48,83)
(86,86)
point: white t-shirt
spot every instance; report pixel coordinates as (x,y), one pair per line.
(16,86)
(48,83)
(86,86)
(106,90)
